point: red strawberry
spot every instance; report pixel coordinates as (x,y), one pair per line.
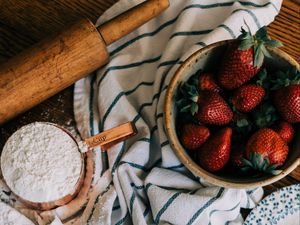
(207,83)
(285,131)
(237,67)
(213,109)
(266,144)
(237,116)
(247,97)
(237,154)
(243,60)
(214,154)
(193,136)
(287,102)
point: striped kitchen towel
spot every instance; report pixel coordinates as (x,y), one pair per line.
(147,184)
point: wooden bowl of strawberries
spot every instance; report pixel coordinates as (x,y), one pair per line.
(232,112)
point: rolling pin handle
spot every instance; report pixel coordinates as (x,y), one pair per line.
(130,20)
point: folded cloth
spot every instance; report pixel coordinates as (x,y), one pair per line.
(149,184)
(145,182)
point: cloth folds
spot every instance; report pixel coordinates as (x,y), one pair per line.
(151,184)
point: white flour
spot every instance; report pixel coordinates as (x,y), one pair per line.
(9,216)
(41,163)
(83,147)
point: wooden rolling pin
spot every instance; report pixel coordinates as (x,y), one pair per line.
(54,64)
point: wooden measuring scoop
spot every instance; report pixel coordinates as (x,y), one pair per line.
(110,137)
(107,139)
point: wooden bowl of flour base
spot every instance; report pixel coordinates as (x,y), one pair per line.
(36,173)
(19,163)
(206,59)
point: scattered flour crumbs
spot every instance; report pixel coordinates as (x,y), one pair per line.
(41,163)
(9,216)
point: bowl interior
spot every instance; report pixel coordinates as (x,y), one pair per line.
(207,59)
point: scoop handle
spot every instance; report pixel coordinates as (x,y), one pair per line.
(110,137)
(130,20)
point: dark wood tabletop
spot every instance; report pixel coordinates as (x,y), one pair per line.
(25,22)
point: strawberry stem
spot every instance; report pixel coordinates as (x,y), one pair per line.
(265,115)
(284,79)
(260,164)
(188,95)
(259,41)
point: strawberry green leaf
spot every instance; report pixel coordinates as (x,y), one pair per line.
(185,109)
(263,75)
(187,96)
(284,79)
(180,103)
(262,80)
(244,34)
(273,43)
(241,126)
(258,56)
(260,160)
(246,162)
(194,98)
(266,164)
(265,115)
(194,81)
(246,168)
(262,34)
(272,167)
(258,41)
(194,108)
(242,123)
(265,51)
(275,172)
(232,107)
(259,164)
(246,44)
(282,75)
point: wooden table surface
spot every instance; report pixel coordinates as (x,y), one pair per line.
(25,22)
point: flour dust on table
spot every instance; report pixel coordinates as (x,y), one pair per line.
(9,216)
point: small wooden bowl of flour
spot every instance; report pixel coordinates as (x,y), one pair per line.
(42,165)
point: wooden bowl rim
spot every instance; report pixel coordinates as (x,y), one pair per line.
(43,206)
(181,152)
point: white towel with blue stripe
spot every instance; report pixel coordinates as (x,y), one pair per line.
(147,184)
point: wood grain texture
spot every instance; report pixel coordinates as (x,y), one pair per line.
(135,17)
(109,138)
(286,28)
(60,60)
(25,22)
(49,67)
